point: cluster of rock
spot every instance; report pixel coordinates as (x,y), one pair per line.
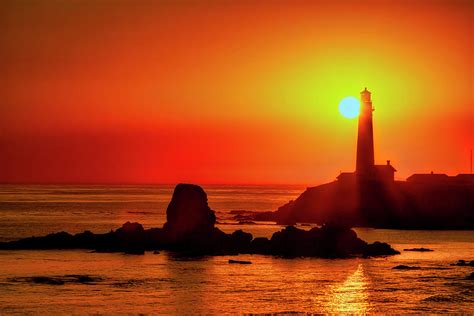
(419,249)
(464,263)
(190,229)
(59,280)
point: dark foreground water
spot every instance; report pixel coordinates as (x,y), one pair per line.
(161,283)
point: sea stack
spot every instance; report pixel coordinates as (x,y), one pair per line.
(188,212)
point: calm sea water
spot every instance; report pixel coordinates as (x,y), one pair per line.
(165,284)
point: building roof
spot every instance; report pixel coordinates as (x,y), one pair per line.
(428,177)
(365,91)
(387,167)
(465,177)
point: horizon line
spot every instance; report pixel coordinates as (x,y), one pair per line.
(157,183)
(193,182)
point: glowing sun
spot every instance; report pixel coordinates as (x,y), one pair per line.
(349,107)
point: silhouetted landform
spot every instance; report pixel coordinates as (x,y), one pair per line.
(464,263)
(59,280)
(419,249)
(370,197)
(240,223)
(242,215)
(190,230)
(359,202)
(247,223)
(82,279)
(404,267)
(188,213)
(240,261)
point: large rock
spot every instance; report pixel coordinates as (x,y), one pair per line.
(188,213)
(131,238)
(241,240)
(260,245)
(328,241)
(379,249)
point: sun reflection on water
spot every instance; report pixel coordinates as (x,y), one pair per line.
(351,296)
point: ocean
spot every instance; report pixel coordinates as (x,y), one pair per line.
(162,283)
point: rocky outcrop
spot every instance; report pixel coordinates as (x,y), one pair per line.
(59,280)
(190,230)
(188,213)
(396,205)
(329,241)
(379,249)
(405,267)
(260,245)
(464,263)
(419,249)
(240,261)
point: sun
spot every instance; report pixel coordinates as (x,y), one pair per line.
(349,107)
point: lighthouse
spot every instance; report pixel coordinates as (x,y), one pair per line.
(365,137)
(366,169)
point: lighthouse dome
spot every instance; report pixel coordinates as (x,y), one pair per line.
(365,91)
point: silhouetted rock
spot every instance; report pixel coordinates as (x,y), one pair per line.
(247,223)
(47,280)
(190,225)
(404,267)
(470,276)
(131,238)
(137,250)
(241,240)
(214,242)
(339,241)
(379,249)
(131,228)
(260,245)
(61,240)
(188,213)
(58,280)
(329,241)
(418,249)
(464,263)
(81,278)
(292,242)
(240,261)
(155,238)
(242,215)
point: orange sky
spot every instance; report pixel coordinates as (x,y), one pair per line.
(230,91)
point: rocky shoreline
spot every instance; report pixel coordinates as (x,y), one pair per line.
(396,205)
(190,230)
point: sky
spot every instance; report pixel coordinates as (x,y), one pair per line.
(230,92)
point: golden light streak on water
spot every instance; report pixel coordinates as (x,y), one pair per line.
(351,296)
